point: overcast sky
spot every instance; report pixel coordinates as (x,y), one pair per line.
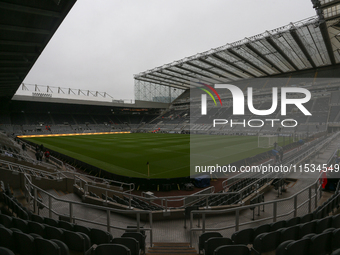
(102,43)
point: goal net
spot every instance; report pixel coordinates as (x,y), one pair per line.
(267,141)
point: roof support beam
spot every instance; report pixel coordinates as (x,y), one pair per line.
(284,55)
(264,57)
(231,51)
(182,80)
(29,10)
(182,74)
(206,70)
(302,47)
(199,78)
(220,68)
(156,82)
(175,81)
(327,40)
(233,65)
(171,75)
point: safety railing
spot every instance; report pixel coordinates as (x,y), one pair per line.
(298,200)
(128,187)
(76,215)
(83,179)
(307,197)
(163,202)
(33,171)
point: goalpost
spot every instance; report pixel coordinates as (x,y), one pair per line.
(266,141)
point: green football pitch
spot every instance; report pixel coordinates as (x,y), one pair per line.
(168,154)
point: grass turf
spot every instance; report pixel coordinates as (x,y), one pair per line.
(168,154)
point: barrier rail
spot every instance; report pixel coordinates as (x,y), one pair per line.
(72,171)
(72,215)
(316,186)
(313,192)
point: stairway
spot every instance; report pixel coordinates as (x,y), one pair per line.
(171,249)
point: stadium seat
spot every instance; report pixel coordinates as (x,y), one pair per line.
(37,218)
(44,246)
(36,228)
(64,250)
(137,236)
(277,225)
(24,244)
(53,233)
(6,251)
(99,236)
(261,229)
(232,249)
(292,222)
(245,236)
(82,229)
(75,241)
(306,218)
(51,222)
(6,238)
(66,225)
(6,220)
(282,248)
(336,221)
(323,224)
(35,235)
(291,233)
(320,244)
(20,224)
(213,243)
(205,236)
(336,239)
(129,242)
(336,252)
(109,249)
(267,241)
(307,228)
(299,247)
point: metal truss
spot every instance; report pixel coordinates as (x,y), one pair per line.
(155,92)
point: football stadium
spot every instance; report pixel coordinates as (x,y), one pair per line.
(234,150)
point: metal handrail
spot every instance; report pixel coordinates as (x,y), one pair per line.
(131,186)
(316,185)
(23,168)
(34,198)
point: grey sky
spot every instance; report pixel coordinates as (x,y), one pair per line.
(102,43)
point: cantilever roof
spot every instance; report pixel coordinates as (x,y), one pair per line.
(26,26)
(307,44)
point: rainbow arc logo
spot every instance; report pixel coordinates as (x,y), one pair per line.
(204,97)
